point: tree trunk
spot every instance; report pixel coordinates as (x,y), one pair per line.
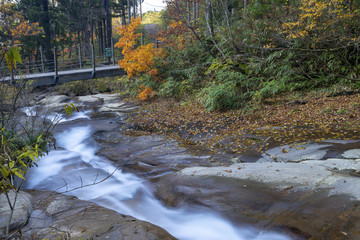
(194,11)
(129,11)
(47,30)
(70,51)
(210,24)
(140,9)
(188,11)
(123,16)
(86,39)
(197,10)
(226,9)
(101,38)
(183,18)
(104,33)
(209,17)
(108,24)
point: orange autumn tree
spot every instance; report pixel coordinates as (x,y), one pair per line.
(137,59)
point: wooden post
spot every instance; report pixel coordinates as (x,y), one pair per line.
(42,59)
(56,77)
(113,52)
(93,60)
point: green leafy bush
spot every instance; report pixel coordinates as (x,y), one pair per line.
(171,88)
(220,96)
(229,86)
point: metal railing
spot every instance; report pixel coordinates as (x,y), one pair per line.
(60,63)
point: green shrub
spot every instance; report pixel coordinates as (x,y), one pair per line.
(170,88)
(85,87)
(220,96)
(78,88)
(102,87)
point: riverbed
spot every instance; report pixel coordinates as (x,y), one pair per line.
(186,190)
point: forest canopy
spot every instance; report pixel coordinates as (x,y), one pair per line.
(223,53)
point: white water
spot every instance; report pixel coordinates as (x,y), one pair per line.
(77,165)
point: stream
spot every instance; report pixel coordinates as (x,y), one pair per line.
(75,169)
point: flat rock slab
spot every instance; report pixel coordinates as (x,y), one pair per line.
(309,151)
(300,215)
(103,97)
(354,153)
(317,198)
(304,176)
(54,103)
(107,103)
(59,216)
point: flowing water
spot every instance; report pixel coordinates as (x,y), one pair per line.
(74,169)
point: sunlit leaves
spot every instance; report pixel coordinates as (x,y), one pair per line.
(12,56)
(320,20)
(69,108)
(16,157)
(137,60)
(141,60)
(145,93)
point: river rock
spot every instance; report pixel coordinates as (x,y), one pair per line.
(300,215)
(58,216)
(101,97)
(353,153)
(52,102)
(152,156)
(307,175)
(21,213)
(316,198)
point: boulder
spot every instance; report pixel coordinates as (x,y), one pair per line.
(21,212)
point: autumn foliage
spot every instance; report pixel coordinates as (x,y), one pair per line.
(145,93)
(320,20)
(175,35)
(137,59)
(14,25)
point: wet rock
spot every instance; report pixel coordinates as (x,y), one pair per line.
(354,153)
(307,197)
(149,156)
(307,192)
(300,215)
(21,213)
(61,216)
(107,103)
(54,103)
(307,175)
(101,97)
(298,153)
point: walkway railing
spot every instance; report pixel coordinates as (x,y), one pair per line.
(60,63)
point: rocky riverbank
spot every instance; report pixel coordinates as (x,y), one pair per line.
(293,163)
(48,215)
(307,189)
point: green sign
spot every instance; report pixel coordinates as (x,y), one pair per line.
(108,52)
